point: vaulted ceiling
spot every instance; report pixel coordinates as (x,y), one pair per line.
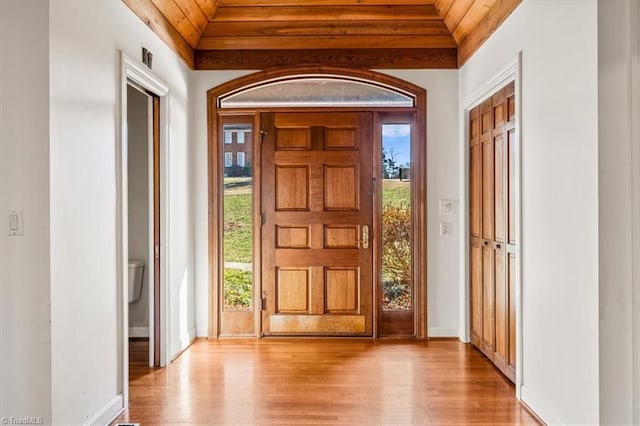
(260,34)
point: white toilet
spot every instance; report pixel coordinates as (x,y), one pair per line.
(136,276)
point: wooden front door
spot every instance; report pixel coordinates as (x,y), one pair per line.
(317,251)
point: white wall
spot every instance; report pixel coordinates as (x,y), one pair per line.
(25,334)
(615,227)
(86,37)
(558,40)
(443,171)
(138,205)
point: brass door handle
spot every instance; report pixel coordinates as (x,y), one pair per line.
(365,237)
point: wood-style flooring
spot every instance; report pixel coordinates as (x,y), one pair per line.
(328,382)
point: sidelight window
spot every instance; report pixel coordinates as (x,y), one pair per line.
(238,228)
(397,228)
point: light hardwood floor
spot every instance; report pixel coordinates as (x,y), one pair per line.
(329,382)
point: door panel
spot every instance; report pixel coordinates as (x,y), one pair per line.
(511,274)
(317,200)
(488,306)
(487,172)
(292,290)
(475,174)
(476,292)
(499,185)
(292,188)
(501,309)
(511,167)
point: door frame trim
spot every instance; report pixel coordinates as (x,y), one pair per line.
(635,201)
(512,71)
(420,109)
(133,71)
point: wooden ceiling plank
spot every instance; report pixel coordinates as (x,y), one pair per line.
(301,28)
(193,13)
(173,13)
(208,7)
(443,6)
(458,9)
(487,26)
(327,42)
(474,15)
(361,58)
(307,3)
(160,25)
(326,13)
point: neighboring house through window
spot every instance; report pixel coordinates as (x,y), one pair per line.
(228,159)
(240,158)
(228,136)
(240,138)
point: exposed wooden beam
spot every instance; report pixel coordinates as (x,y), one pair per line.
(354,58)
(487,26)
(321,28)
(160,25)
(307,3)
(326,13)
(326,42)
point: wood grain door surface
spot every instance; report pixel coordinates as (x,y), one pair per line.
(492,229)
(317,251)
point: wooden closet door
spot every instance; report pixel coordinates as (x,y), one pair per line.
(475,227)
(492,257)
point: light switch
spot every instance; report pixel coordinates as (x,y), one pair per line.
(447,206)
(445,229)
(15,222)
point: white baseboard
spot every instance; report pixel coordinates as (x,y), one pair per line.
(138,331)
(539,409)
(442,332)
(183,343)
(108,413)
(202,331)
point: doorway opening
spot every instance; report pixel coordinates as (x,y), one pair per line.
(142,213)
(302,163)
